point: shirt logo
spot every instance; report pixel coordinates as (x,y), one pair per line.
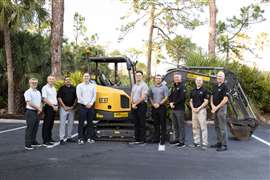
(200,92)
(219,89)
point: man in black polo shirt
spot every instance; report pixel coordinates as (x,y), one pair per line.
(198,101)
(67,100)
(177,103)
(219,101)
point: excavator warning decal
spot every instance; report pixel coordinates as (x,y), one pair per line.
(194,76)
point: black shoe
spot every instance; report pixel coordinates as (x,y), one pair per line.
(62,142)
(218,145)
(222,148)
(52,141)
(180,145)
(70,140)
(134,143)
(36,144)
(141,143)
(174,142)
(48,145)
(28,147)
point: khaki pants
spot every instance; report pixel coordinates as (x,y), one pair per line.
(199,127)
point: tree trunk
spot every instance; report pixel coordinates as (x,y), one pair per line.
(227,49)
(212,29)
(150,42)
(7,44)
(57,35)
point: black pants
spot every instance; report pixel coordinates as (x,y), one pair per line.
(86,114)
(139,116)
(48,123)
(159,116)
(32,123)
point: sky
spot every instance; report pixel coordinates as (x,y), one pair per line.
(103,17)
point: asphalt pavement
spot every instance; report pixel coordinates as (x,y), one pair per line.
(119,160)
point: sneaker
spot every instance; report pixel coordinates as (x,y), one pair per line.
(222,148)
(80,141)
(36,144)
(91,141)
(174,142)
(194,145)
(180,145)
(161,147)
(134,143)
(204,147)
(28,147)
(217,145)
(62,142)
(48,145)
(70,140)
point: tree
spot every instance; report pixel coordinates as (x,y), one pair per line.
(57,36)
(212,28)
(79,27)
(233,28)
(179,48)
(13,15)
(163,16)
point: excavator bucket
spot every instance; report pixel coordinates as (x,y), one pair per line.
(242,129)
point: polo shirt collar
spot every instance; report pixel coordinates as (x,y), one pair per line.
(158,85)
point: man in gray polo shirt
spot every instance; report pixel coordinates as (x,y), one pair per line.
(139,107)
(158,96)
(33,108)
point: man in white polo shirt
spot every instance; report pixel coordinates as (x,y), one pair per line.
(49,96)
(86,95)
(33,108)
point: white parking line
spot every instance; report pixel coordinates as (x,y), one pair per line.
(58,143)
(15,121)
(13,129)
(261,140)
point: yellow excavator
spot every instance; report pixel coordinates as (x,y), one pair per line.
(114,121)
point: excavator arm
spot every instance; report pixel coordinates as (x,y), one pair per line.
(242,122)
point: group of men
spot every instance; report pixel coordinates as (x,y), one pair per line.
(159,95)
(84,96)
(49,101)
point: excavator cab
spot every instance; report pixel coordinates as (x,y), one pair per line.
(114,77)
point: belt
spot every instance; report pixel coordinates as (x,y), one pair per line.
(82,105)
(31,110)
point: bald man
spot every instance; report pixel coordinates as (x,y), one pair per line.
(51,106)
(219,99)
(198,101)
(33,108)
(177,103)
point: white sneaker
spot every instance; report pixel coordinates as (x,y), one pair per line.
(80,141)
(91,141)
(161,147)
